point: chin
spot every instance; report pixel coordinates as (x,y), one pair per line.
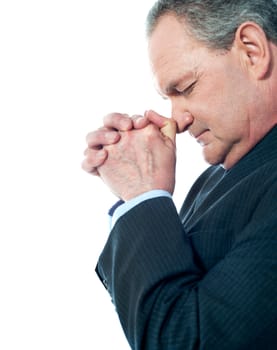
(214,158)
(217,152)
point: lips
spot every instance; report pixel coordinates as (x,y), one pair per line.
(198,134)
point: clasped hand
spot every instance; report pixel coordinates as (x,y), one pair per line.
(133,155)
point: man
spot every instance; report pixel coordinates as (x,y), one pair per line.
(205,278)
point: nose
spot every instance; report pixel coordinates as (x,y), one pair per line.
(181,115)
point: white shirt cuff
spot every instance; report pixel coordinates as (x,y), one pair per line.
(128,205)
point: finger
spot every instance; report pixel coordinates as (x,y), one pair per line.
(118,121)
(93,172)
(93,160)
(169,129)
(102,137)
(156,118)
(139,121)
(167,126)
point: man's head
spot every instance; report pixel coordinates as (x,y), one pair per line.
(216,61)
(214,22)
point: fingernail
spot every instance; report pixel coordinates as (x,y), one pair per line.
(126,124)
(100,154)
(111,136)
(139,119)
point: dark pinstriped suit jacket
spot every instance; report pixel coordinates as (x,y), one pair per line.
(206,278)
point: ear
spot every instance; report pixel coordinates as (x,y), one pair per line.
(254,48)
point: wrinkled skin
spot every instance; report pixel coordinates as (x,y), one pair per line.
(138,151)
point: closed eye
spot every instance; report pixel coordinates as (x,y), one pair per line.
(176,90)
(187,91)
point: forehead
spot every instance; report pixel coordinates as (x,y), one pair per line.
(172,51)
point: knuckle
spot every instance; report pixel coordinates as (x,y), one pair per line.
(91,137)
(111,118)
(95,138)
(86,166)
(151,129)
(117,121)
(88,136)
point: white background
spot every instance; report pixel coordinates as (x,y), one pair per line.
(63,66)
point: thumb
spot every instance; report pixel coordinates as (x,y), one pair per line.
(167,126)
(169,129)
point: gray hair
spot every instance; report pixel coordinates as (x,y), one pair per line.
(214,22)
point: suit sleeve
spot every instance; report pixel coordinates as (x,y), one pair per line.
(166,301)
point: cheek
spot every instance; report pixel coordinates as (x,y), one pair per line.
(227,120)
(222,111)
(232,128)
